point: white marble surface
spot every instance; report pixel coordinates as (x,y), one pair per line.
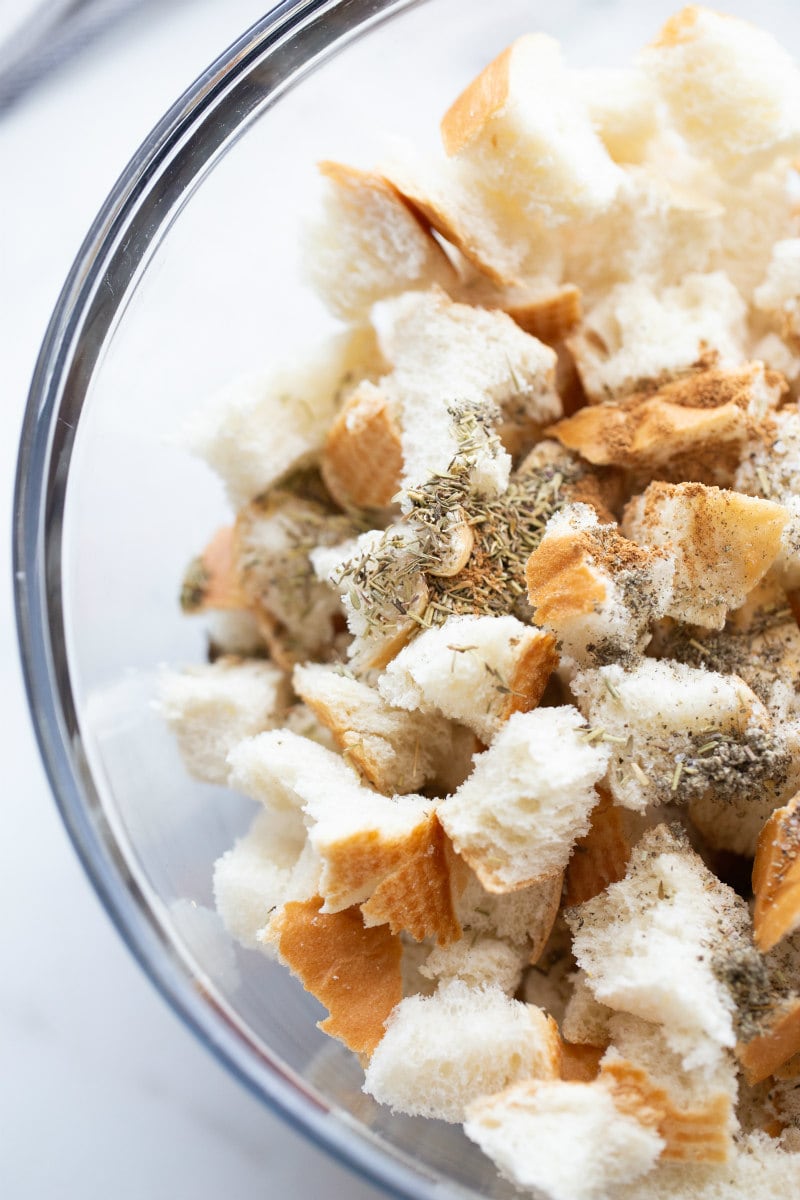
(103,1092)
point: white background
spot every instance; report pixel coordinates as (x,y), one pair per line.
(103,1094)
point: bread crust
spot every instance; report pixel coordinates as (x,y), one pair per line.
(353,970)
(417,897)
(700,1134)
(486,95)
(601,856)
(776,877)
(362,462)
(764,1055)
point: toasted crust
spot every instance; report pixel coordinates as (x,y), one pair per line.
(211,581)
(599,858)
(700,1134)
(562,581)
(580,1063)
(484,96)
(549,318)
(446,221)
(362,461)
(356,181)
(417,897)
(365,859)
(564,573)
(352,970)
(776,877)
(531,674)
(763,1055)
(683,423)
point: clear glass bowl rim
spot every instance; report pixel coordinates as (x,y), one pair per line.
(80,320)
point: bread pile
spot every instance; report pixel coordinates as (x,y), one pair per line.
(507,644)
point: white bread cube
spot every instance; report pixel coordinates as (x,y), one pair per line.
(779,293)
(671,729)
(636,336)
(647,945)
(445,354)
(623,108)
(367,244)
(517,817)
(563,1141)
(397,750)
(732,91)
(344,818)
(757,215)
(586,1020)
(523,131)
(662,226)
(210,708)
(723,543)
(261,427)
(597,592)
(525,917)
(480,961)
(439,1052)
(469,669)
(261,871)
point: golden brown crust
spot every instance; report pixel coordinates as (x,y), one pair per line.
(763,1055)
(699,1134)
(580,1063)
(601,856)
(362,462)
(212,580)
(354,971)
(364,859)
(486,95)
(776,877)
(417,897)
(447,222)
(562,579)
(531,674)
(550,317)
(686,424)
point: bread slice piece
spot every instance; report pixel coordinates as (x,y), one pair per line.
(210,708)
(776,877)
(586,1022)
(260,873)
(262,426)
(528,139)
(732,91)
(352,970)
(395,749)
(677,733)
(548,312)
(596,591)
(445,354)
(696,1109)
(759,1169)
(360,836)
(647,945)
(694,427)
(563,1140)
(477,670)
(636,336)
(517,817)
(362,461)
(441,1051)
(367,244)
(723,543)
(525,917)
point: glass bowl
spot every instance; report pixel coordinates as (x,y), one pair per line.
(188,277)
